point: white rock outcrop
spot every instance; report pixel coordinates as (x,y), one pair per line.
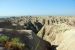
(61,35)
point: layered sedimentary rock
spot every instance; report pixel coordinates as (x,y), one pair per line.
(61,35)
(32,41)
(57,30)
(43,20)
(35,23)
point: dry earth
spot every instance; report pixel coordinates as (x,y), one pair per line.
(61,35)
(46,33)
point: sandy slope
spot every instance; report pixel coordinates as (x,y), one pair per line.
(59,34)
(68,42)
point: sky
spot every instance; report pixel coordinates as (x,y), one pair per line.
(37,7)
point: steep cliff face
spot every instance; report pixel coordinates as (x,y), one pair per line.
(31,41)
(61,35)
(49,32)
(36,23)
(53,29)
(42,20)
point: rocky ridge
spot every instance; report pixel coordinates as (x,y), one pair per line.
(55,30)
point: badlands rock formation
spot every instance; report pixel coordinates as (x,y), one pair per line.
(61,35)
(50,33)
(35,23)
(32,41)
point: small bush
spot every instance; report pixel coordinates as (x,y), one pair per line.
(3,38)
(16,42)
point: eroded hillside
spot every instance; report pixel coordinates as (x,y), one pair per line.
(46,33)
(35,23)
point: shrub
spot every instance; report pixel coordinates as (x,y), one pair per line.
(16,42)
(3,38)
